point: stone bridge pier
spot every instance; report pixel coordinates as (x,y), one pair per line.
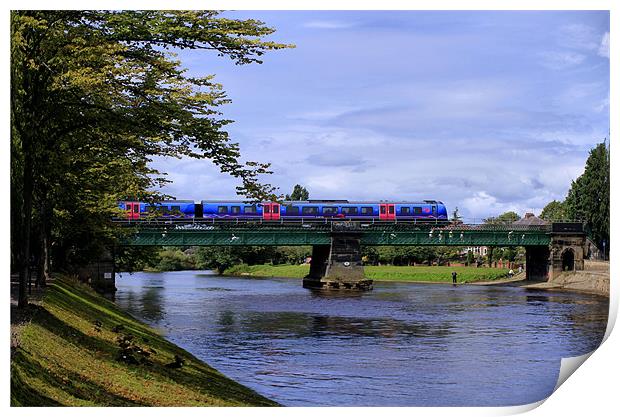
(338,266)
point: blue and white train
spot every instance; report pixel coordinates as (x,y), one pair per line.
(287,210)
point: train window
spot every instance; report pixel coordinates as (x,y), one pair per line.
(434,210)
(417,210)
(266,209)
(136,208)
(367,210)
(405,210)
(276,209)
(349,210)
(175,209)
(249,209)
(235,209)
(310,210)
(330,210)
(391,209)
(157,209)
(222,210)
(382,209)
(292,210)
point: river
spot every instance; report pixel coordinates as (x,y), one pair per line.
(401,344)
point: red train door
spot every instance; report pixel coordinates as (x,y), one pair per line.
(271,211)
(275,211)
(133,210)
(387,212)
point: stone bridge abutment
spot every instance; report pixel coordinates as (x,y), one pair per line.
(565,252)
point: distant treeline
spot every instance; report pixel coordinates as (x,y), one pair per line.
(223,258)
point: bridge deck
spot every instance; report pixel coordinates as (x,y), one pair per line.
(259,233)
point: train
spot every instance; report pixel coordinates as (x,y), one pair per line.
(287,210)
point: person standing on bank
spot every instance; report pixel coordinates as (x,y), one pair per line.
(453,277)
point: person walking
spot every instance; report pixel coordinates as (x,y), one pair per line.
(453,277)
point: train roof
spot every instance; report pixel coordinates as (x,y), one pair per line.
(169,202)
(326,202)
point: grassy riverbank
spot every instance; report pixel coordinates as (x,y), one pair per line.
(68,355)
(382,273)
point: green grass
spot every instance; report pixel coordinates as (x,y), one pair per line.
(289,271)
(433,273)
(382,273)
(63,360)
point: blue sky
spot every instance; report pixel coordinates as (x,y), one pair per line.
(487,111)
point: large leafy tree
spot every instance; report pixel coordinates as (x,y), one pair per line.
(95,95)
(555,210)
(588,197)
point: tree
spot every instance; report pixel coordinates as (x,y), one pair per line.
(507,217)
(470,258)
(588,197)
(555,210)
(217,258)
(95,95)
(299,194)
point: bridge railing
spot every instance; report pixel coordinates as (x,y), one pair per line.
(334,225)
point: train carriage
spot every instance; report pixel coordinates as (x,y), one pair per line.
(171,209)
(287,210)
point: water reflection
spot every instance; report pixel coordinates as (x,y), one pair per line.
(401,344)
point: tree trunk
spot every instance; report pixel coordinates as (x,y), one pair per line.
(24,273)
(44,257)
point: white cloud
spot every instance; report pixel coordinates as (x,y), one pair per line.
(578,36)
(603,105)
(603,49)
(561,60)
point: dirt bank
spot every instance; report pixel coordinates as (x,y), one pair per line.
(594,279)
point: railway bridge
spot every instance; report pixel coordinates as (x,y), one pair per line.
(336,245)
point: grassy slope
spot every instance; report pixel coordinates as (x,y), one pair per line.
(381,273)
(63,360)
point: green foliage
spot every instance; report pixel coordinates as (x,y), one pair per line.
(470,258)
(410,255)
(504,218)
(217,258)
(509,253)
(299,194)
(95,96)
(555,210)
(222,258)
(137,258)
(588,197)
(175,260)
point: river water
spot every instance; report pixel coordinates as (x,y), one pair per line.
(402,344)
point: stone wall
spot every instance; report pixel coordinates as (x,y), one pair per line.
(596,282)
(560,246)
(100,275)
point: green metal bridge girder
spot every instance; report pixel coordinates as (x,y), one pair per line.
(300,236)
(230,237)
